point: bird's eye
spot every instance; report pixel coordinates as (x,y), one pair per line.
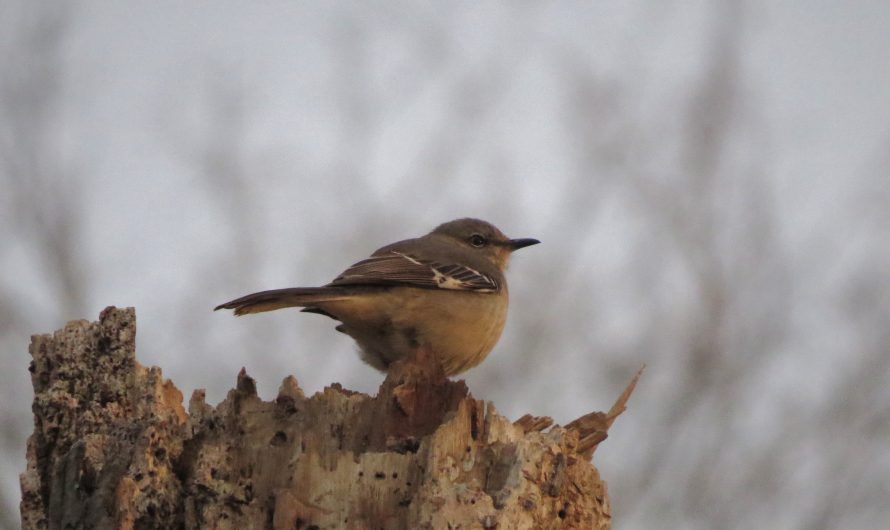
(477,240)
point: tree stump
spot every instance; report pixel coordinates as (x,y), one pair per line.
(113,447)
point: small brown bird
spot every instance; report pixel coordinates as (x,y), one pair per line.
(445,291)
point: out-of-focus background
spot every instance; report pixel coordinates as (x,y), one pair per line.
(710,180)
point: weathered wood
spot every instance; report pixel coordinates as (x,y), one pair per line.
(113,447)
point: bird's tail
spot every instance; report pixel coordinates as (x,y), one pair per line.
(280,298)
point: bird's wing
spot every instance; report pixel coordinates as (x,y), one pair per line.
(398,268)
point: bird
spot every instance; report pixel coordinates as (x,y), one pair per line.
(445,291)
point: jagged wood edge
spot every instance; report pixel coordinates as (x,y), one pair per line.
(593,428)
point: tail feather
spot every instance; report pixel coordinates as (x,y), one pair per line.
(281,298)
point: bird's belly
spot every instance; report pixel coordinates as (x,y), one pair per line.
(460,328)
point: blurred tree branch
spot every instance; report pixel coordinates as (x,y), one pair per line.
(37,171)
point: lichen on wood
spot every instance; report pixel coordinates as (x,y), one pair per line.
(113,447)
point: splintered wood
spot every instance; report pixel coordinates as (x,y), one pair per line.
(593,428)
(114,448)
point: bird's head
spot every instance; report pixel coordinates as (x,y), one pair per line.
(483,239)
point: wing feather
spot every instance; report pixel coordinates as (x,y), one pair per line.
(397,268)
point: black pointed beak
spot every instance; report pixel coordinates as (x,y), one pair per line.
(516,244)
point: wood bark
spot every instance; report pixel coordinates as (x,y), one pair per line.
(114,448)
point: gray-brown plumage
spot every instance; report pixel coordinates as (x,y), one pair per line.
(445,291)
